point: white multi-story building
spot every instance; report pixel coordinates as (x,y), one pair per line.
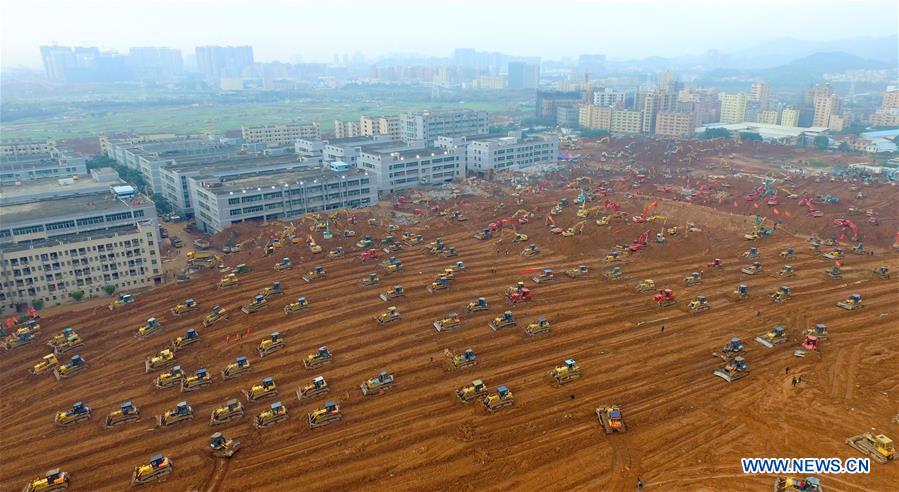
(423,128)
(395,169)
(280,135)
(33,166)
(507,152)
(26,147)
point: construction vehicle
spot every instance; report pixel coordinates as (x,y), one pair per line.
(735,369)
(611,419)
(752,269)
(565,373)
(458,266)
(78,413)
(231,410)
(173,377)
(448,273)
(336,253)
(451,322)
(60,338)
(470,392)
(579,272)
(807,484)
(395,292)
(604,220)
(480,304)
(504,320)
(541,326)
(274,290)
(388,316)
(501,399)
(614,274)
(852,303)
(463,360)
(185,307)
(741,293)
(752,254)
(236,369)
(531,250)
(575,229)
(47,363)
(879,447)
(412,239)
(317,387)
(365,242)
(277,412)
(270,344)
(300,304)
(371,254)
(834,272)
(440,283)
(613,256)
(157,468)
(52,480)
(786,272)
(449,252)
(788,254)
(218,313)
(646,285)
(730,350)
(377,385)
(775,336)
(521,294)
(200,379)
(809,344)
(694,278)
(316,273)
(326,415)
(123,300)
(127,412)
(759,230)
(545,276)
(71,341)
(284,264)
(483,235)
(699,304)
(183,341)
(16,340)
(181,413)
(242,268)
(835,254)
(222,447)
(313,246)
(151,327)
(782,294)
(819,330)
(392,264)
(228,281)
(266,389)
(716,263)
(882,272)
(318,359)
(75,365)
(665,298)
(371,280)
(163,358)
(256,304)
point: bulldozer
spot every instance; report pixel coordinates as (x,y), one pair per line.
(370,280)
(504,320)
(807,484)
(236,369)
(228,281)
(78,413)
(786,272)
(274,290)
(735,369)
(731,349)
(611,419)
(451,322)
(49,482)
(60,338)
(567,372)
(163,358)
(519,293)
(752,269)
(716,263)
(834,272)
(852,303)
(458,266)
(231,410)
(264,389)
(75,365)
(181,413)
(613,257)
(127,412)
(819,330)
(46,364)
(185,307)
(751,254)
(270,344)
(699,304)
(483,235)
(300,304)
(531,250)
(377,385)
(284,264)
(173,377)
(741,293)
(317,387)
(647,285)
(782,294)
(316,273)
(449,252)
(665,298)
(16,340)
(151,327)
(546,275)
(579,272)
(449,273)
(471,392)
(463,360)
(614,274)
(501,399)
(388,316)
(200,379)
(775,336)
(879,447)
(604,220)
(222,447)
(365,242)
(183,341)
(788,253)
(395,292)
(440,283)
(809,344)
(836,254)
(882,272)
(694,278)
(71,342)
(217,314)
(480,304)
(326,415)
(392,265)
(256,304)
(519,237)
(123,300)
(539,327)
(157,468)
(318,359)
(336,253)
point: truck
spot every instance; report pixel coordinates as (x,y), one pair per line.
(176,242)
(201,243)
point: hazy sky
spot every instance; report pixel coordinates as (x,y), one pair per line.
(317,30)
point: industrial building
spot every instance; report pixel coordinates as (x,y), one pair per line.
(396,168)
(423,128)
(280,135)
(38,165)
(509,152)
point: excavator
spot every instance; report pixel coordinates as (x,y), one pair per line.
(735,369)
(539,327)
(388,316)
(274,414)
(222,447)
(450,322)
(314,247)
(163,358)
(200,379)
(238,368)
(377,385)
(317,359)
(185,307)
(643,217)
(471,392)
(217,314)
(231,410)
(158,467)
(565,373)
(611,419)
(187,339)
(759,230)
(317,387)
(270,344)
(49,482)
(78,413)
(775,336)
(127,412)
(847,224)
(181,413)
(499,400)
(265,389)
(463,360)
(583,212)
(879,447)
(575,229)
(173,377)
(326,415)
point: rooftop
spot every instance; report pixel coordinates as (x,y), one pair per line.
(238,162)
(66,207)
(274,181)
(42,189)
(765,130)
(406,152)
(68,239)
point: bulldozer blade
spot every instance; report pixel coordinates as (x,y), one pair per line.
(764,342)
(725,376)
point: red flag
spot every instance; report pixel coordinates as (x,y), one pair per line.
(788,214)
(776,211)
(755,205)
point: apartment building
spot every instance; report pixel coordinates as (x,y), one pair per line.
(675,124)
(370,126)
(346,129)
(34,166)
(17,147)
(285,195)
(426,126)
(733,108)
(627,121)
(609,97)
(826,105)
(595,117)
(394,169)
(512,152)
(280,135)
(768,117)
(75,236)
(789,117)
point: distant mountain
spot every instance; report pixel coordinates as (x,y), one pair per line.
(813,67)
(783,50)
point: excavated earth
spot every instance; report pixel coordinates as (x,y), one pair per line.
(687,429)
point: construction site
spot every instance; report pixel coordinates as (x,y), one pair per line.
(647,310)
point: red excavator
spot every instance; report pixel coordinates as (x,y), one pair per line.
(846,223)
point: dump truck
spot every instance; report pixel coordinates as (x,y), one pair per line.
(157,468)
(300,304)
(463,360)
(879,447)
(185,307)
(217,314)
(231,410)
(181,413)
(326,415)
(51,481)
(611,418)
(388,316)
(151,327)
(504,320)
(317,387)
(200,379)
(480,304)
(377,385)
(78,413)
(163,358)
(540,326)
(579,272)
(735,369)
(567,372)
(265,389)
(270,344)
(75,365)
(187,339)
(222,447)
(127,412)
(170,378)
(395,292)
(473,391)
(451,322)
(852,303)
(499,400)
(317,359)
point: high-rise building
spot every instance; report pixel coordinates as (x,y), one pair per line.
(759,93)
(627,121)
(674,124)
(890,98)
(280,135)
(56,60)
(789,117)
(595,117)
(155,63)
(768,117)
(370,126)
(523,75)
(346,129)
(609,97)
(426,126)
(548,101)
(567,116)
(223,61)
(733,108)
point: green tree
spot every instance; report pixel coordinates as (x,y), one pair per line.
(37,304)
(821,142)
(109,289)
(750,136)
(77,295)
(162,205)
(711,133)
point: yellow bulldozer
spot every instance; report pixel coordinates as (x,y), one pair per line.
(231,410)
(326,415)
(78,413)
(501,399)
(277,412)
(451,322)
(567,372)
(317,387)
(646,285)
(270,344)
(388,316)
(236,369)
(46,364)
(463,360)
(127,412)
(188,338)
(200,379)
(185,307)
(300,304)
(265,389)
(879,447)
(172,377)
(541,326)
(473,391)
(317,359)
(157,468)
(151,327)
(163,358)
(51,481)
(217,314)
(181,413)
(222,447)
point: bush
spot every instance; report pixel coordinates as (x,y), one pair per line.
(109,289)
(37,304)
(77,295)
(711,133)
(748,136)
(821,142)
